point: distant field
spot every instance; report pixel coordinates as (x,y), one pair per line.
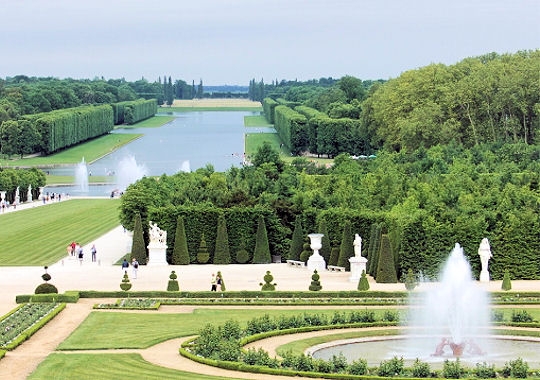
(212,105)
(39,236)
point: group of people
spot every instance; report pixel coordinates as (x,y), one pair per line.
(134,266)
(215,281)
(76,250)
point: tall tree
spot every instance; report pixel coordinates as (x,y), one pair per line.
(326,248)
(261,255)
(386,269)
(222,253)
(180,254)
(297,241)
(138,248)
(346,249)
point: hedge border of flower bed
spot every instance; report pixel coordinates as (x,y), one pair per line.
(242,367)
(67,297)
(26,334)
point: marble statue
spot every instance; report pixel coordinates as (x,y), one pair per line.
(357,245)
(157,235)
(484,251)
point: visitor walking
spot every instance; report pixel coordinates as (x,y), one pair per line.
(93,250)
(134,267)
(125,265)
(80,253)
(213,282)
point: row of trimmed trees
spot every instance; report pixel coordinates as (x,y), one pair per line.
(219,254)
(383,270)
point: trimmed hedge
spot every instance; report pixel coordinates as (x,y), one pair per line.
(67,297)
(67,127)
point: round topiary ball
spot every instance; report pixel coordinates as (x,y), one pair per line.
(46,288)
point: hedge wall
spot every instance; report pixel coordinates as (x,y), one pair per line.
(291,127)
(269,105)
(67,127)
(131,112)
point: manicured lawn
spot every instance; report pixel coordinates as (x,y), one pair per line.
(68,180)
(107,367)
(254,140)
(90,151)
(256,121)
(153,122)
(108,330)
(39,236)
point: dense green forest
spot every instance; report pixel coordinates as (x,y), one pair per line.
(455,160)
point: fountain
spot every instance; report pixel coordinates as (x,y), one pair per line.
(455,313)
(448,319)
(81,177)
(128,172)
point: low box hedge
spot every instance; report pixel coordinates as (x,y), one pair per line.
(67,297)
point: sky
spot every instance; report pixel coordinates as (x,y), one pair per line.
(233,41)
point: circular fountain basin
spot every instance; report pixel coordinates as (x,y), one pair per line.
(498,350)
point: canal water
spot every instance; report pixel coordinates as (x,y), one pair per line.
(191,141)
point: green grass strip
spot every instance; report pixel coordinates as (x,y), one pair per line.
(39,236)
(108,367)
(109,330)
(90,151)
(256,121)
(153,122)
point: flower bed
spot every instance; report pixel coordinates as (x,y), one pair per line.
(24,321)
(131,304)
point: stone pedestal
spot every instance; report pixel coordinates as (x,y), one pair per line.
(316,261)
(358,264)
(484,276)
(157,255)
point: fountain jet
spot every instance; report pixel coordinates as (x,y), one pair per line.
(455,313)
(81,176)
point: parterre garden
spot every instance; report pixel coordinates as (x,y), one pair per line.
(224,332)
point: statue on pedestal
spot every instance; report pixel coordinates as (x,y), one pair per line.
(357,245)
(157,235)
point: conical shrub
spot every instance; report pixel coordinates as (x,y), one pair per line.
(222,253)
(180,255)
(297,240)
(363,283)
(261,255)
(138,248)
(386,270)
(202,253)
(346,249)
